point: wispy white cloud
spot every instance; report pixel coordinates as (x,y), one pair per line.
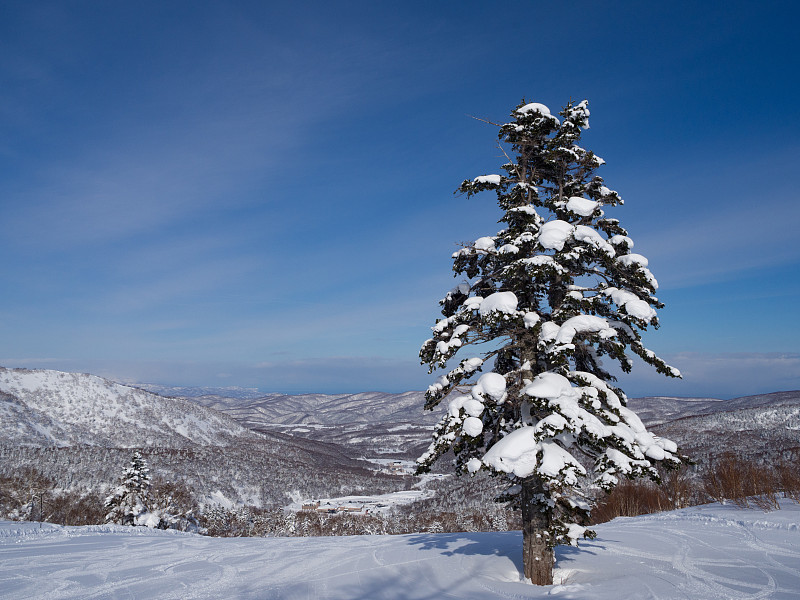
(705,375)
(131,191)
(187,285)
(743,218)
(188,141)
(717,375)
(722,248)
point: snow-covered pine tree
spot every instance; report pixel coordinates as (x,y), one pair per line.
(127,504)
(545,299)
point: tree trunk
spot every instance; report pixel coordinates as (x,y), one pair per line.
(537,557)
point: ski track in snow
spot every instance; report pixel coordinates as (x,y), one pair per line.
(707,552)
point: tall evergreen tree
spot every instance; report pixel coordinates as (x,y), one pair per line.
(544,300)
(127,504)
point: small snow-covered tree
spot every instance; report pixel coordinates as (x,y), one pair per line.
(545,300)
(127,504)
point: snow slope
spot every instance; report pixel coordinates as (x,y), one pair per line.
(254,410)
(376,422)
(704,552)
(762,428)
(655,410)
(51,408)
(323,409)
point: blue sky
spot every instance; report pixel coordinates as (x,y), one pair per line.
(261,194)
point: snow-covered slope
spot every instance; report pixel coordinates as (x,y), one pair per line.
(699,553)
(22,425)
(654,410)
(660,409)
(397,423)
(323,409)
(76,430)
(369,423)
(382,407)
(764,428)
(51,408)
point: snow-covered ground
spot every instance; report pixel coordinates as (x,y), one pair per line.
(703,552)
(379,503)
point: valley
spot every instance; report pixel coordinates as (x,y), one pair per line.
(335,454)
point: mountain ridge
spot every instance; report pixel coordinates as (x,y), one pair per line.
(274,408)
(78,431)
(45,407)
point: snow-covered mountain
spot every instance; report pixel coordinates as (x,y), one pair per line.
(369,423)
(312,409)
(372,408)
(51,408)
(77,430)
(763,427)
(654,410)
(310,442)
(755,425)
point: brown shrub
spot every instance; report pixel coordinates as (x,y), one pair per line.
(679,489)
(632,498)
(789,477)
(743,482)
(629,499)
(74,509)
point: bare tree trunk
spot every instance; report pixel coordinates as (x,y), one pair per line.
(537,557)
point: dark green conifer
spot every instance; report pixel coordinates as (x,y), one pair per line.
(129,501)
(545,301)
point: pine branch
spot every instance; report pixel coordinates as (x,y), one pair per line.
(485,121)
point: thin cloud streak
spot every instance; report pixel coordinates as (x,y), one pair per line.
(691,254)
(741,374)
(718,375)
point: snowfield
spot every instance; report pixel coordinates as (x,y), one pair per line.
(704,552)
